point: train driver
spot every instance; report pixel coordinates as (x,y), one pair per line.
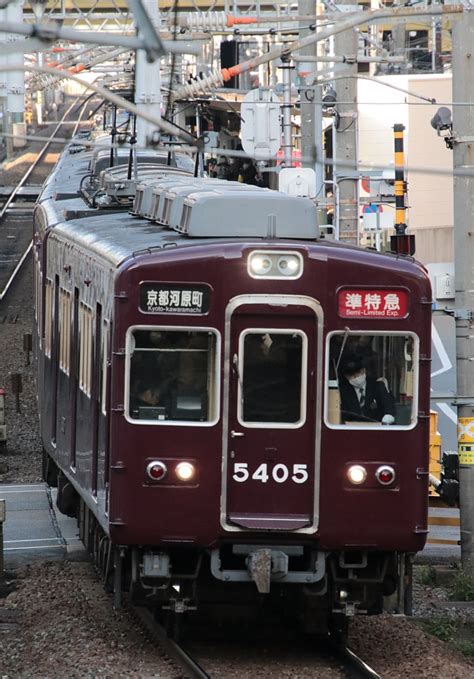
(363,398)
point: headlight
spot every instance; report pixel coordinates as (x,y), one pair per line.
(260,265)
(357,474)
(275,264)
(185,471)
(289,265)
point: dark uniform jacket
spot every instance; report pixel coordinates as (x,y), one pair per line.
(377,402)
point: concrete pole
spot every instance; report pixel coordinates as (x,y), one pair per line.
(311,108)
(14,81)
(345,149)
(463,128)
(147,82)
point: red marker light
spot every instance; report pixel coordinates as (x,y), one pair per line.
(385,475)
(156,470)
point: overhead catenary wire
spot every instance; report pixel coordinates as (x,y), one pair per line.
(166,127)
(218,77)
(361,167)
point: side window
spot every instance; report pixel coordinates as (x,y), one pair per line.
(172,375)
(273,369)
(48,317)
(105,361)
(372,380)
(64,330)
(85,348)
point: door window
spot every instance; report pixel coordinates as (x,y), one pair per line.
(272,378)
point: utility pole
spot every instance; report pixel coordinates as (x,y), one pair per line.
(345,136)
(311,105)
(463,131)
(148,81)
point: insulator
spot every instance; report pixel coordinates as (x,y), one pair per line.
(206,82)
(201,21)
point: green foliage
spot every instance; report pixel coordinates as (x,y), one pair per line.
(457,633)
(427,575)
(442,627)
(466,647)
(462,587)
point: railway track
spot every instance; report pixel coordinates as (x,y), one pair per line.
(17,205)
(352,665)
(172,648)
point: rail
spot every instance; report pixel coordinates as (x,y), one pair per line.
(21,183)
(171,647)
(355,664)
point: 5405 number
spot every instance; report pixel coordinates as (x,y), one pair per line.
(280,473)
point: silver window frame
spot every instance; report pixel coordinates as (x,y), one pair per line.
(375,426)
(304,379)
(217,382)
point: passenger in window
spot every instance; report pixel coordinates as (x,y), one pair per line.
(145,396)
(363,398)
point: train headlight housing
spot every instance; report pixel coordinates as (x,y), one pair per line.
(289,265)
(185,471)
(260,265)
(156,470)
(275,264)
(385,475)
(357,474)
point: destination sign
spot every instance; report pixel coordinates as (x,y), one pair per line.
(174,298)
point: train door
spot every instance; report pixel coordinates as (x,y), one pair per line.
(271,439)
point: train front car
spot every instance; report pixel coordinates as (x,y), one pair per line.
(237,412)
(239,461)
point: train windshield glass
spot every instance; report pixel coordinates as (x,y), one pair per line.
(172,375)
(373,380)
(273,367)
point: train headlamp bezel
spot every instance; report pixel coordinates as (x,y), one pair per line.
(156,464)
(191,470)
(274,269)
(356,474)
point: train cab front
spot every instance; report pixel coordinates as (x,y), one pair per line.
(261,444)
(217,447)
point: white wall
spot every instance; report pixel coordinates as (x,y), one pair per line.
(430,197)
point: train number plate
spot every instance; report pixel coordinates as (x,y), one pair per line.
(280,473)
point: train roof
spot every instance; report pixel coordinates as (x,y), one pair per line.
(121,237)
(180,211)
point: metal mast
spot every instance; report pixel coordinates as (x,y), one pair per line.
(463,125)
(345,151)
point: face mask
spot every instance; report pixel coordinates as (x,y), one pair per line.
(359,381)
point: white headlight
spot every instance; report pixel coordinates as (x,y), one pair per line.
(357,474)
(288,265)
(185,471)
(260,264)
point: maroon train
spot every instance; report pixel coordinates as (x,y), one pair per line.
(189,371)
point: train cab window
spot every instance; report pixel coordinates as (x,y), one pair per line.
(372,380)
(172,375)
(272,378)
